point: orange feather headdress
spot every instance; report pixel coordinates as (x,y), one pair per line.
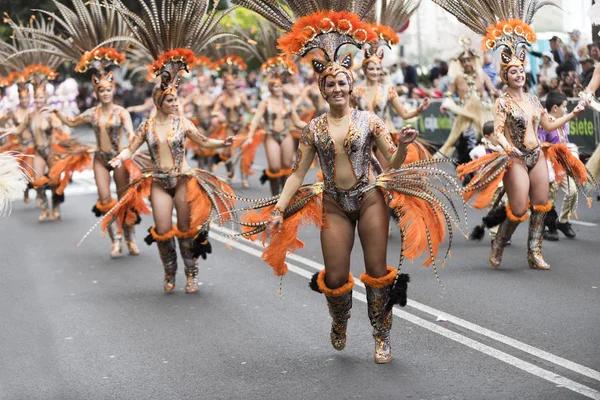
(278,69)
(230,67)
(100,60)
(327,31)
(504,24)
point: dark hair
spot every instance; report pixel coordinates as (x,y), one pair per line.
(545,87)
(443,68)
(488,128)
(554,99)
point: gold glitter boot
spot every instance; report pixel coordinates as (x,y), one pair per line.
(115,240)
(378,293)
(339,302)
(129,234)
(535,237)
(505,232)
(167,251)
(191,268)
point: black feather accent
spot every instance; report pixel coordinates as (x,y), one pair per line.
(551,220)
(149,239)
(478,232)
(398,292)
(217,159)
(201,246)
(97,212)
(29,185)
(495,217)
(138,219)
(58,198)
(313,283)
(264,178)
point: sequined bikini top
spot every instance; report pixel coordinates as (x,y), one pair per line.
(363,128)
(238,107)
(384,95)
(515,120)
(113,125)
(176,138)
(271,116)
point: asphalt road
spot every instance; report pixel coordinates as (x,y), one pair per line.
(78,325)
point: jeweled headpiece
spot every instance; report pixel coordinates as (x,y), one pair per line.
(374,51)
(38,76)
(504,24)
(278,69)
(171,32)
(100,60)
(230,67)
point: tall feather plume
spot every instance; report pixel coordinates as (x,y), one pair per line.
(189,24)
(80,28)
(276,11)
(478,15)
(260,40)
(396,13)
(25,49)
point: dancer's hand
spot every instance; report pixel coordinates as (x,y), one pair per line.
(407,135)
(513,151)
(276,221)
(583,104)
(116,162)
(424,105)
(228,142)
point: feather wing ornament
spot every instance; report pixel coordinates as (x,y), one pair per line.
(13,181)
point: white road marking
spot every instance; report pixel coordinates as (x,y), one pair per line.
(559,380)
(582,223)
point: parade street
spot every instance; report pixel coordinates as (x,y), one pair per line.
(78,325)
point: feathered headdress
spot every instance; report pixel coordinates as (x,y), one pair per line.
(82,27)
(319,25)
(504,24)
(36,60)
(172,34)
(392,17)
(230,67)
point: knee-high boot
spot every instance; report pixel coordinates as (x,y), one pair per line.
(536,235)
(168,255)
(505,232)
(115,239)
(43,201)
(378,293)
(339,302)
(274,181)
(99,210)
(129,234)
(191,267)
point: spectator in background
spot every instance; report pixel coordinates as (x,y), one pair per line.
(434,72)
(396,75)
(587,66)
(594,50)
(489,67)
(556,47)
(443,82)
(582,51)
(575,37)
(411,78)
(543,89)
(569,63)
(548,67)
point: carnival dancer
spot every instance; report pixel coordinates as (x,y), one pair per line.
(522,167)
(349,198)
(230,108)
(108,120)
(195,194)
(474,90)
(203,102)
(593,163)
(378,97)
(23,143)
(278,115)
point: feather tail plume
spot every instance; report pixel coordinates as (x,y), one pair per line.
(305,207)
(489,171)
(131,203)
(63,169)
(13,181)
(249,152)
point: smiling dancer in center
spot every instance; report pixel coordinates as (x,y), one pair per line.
(351,197)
